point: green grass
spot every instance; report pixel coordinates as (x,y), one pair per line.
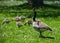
(10,33)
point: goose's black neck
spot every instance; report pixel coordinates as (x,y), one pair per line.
(34,12)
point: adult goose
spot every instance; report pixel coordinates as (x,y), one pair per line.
(39,25)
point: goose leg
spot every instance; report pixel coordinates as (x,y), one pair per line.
(41,35)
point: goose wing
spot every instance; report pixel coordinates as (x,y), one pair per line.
(44,26)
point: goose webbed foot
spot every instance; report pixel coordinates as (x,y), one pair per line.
(46,37)
(41,36)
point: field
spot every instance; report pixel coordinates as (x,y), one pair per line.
(10,33)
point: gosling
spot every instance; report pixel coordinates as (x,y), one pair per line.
(19,24)
(29,22)
(6,21)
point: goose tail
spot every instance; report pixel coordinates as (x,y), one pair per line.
(49,29)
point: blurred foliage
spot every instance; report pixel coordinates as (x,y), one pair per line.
(24,0)
(11,0)
(10,33)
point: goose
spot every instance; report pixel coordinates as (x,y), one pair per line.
(22,17)
(19,24)
(19,18)
(16,18)
(39,25)
(28,22)
(7,20)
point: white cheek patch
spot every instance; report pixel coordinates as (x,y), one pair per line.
(35,24)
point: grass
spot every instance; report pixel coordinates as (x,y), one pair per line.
(10,33)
